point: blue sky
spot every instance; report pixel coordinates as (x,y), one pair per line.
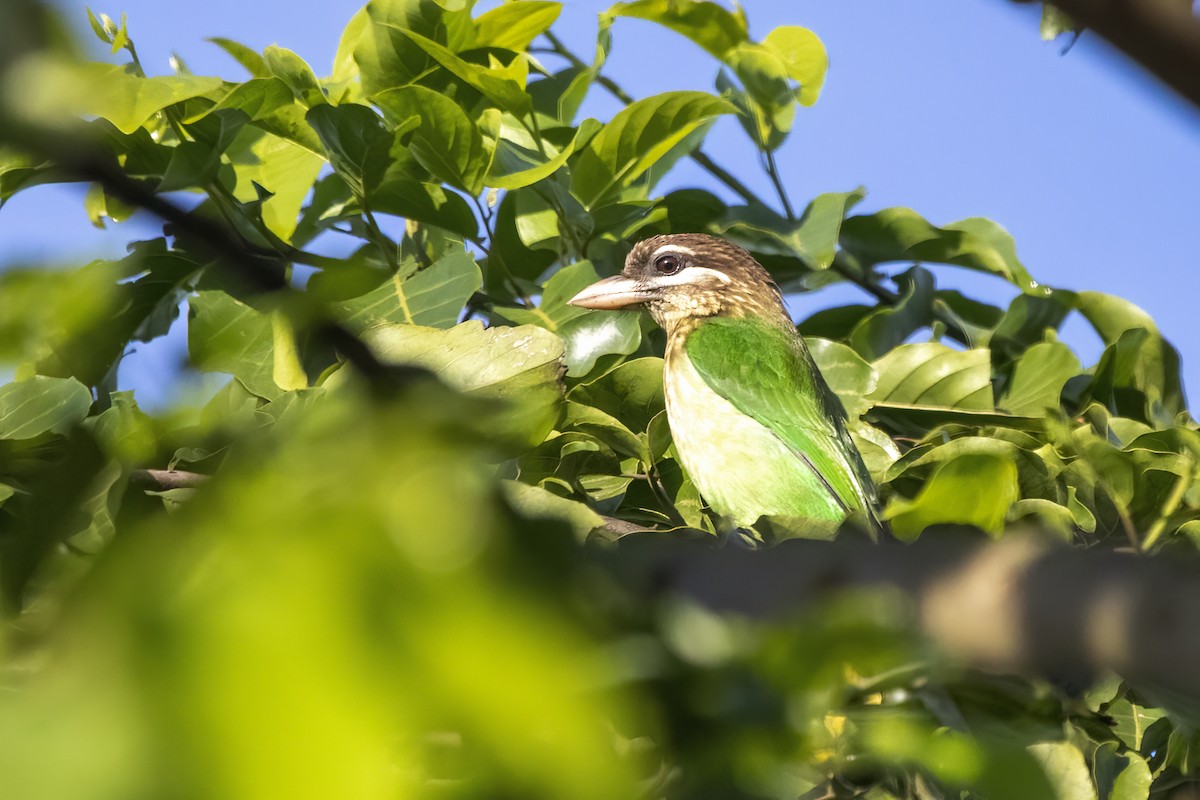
(954,108)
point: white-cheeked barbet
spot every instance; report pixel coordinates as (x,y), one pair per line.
(756,426)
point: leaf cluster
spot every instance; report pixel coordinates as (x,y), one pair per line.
(379,590)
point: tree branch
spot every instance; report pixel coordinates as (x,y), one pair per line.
(1162,36)
(1019,605)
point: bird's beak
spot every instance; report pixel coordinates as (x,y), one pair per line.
(610,294)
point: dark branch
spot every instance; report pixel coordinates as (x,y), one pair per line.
(1162,36)
(1019,605)
(163,479)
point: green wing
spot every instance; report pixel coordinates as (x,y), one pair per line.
(767,373)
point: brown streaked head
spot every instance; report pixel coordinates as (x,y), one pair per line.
(684,276)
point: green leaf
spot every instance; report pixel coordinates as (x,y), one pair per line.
(596,334)
(1112,316)
(538,503)
(425,202)
(254,63)
(1120,776)
(504,86)
(195,163)
(40,404)
(552,312)
(124,98)
(1028,319)
(386,57)
(433,297)
(446,142)
(850,377)
(973,489)
(356,142)
(283,168)
(226,335)
(520,367)
(709,25)
(765,99)
(513,26)
(637,137)
(605,428)
(931,374)
(900,234)
(804,55)
(296,74)
(813,239)
(1038,378)
(1055,23)
(632,392)
(259,98)
(886,328)
(1066,769)
(517,162)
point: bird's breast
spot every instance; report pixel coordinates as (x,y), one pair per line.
(740,467)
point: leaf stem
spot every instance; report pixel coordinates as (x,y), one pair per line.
(773,172)
(1169,507)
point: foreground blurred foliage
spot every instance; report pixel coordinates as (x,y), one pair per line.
(381,591)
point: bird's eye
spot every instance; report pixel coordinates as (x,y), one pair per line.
(668,264)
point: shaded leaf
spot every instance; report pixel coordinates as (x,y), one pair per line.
(433,297)
(974,489)
(40,404)
(1038,378)
(520,367)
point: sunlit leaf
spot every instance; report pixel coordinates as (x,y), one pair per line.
(969,490)
(636,138)
(433,296)
(513,26)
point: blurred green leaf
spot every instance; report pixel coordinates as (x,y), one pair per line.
(520,367)
(124,98)
(254,63)
(40,404)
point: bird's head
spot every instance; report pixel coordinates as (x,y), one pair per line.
(687,276)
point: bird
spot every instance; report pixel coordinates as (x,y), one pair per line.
(756,427)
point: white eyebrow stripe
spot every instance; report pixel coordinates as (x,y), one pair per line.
(691,275)
(673,248)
